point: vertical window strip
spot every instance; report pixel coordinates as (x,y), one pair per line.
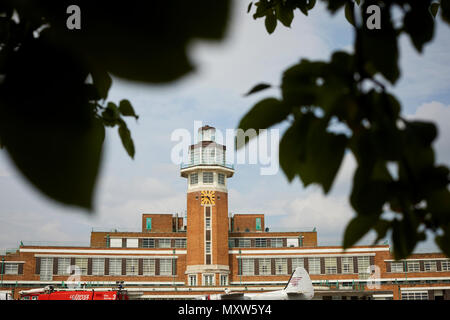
(165,267)
(264,266)
(330,265)
(98,266)
(63,266)
(314,265)
(347,265)
(148,266)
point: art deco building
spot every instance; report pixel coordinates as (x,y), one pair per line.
(211,250)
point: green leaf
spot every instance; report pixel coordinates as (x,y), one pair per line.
(125,137)
(263,115)
(357,228)
(270,22)
(311,152)
(349,12)
(102,81)
(111,115)
(419,24)
(126,109)
(47,125)
(285,15)
(258,87)
(249,7)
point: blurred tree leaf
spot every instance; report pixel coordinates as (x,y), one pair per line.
(126,109)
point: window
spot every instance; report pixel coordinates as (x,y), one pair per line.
(223,280)
(363,265)
(192,280)
(164,243)
(314,265)
(180,243)
(46,271)
(258,224)
(208,247)
(244,243)
(347,264)
(148,223)
(148,267)
(165,267)
(132,267)
(429,266)
(260,243)
(208,223)
(231,243)
(208,177)
(248,267)
(397,267)
(194,178)
(330,265)
(82,264)
(208,279)
(297,262)
(115,267)
(276,243)
(63,266)
(132,243)
(221,178)
(116,243)
(11,268)
(445,265)
(413,266)
(98,266)
(281,266)
(148,243)
(265,267)
(419,295)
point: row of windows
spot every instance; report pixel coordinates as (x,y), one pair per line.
(264,265)
(262,243)
(208,280)
(147,243)
(207,178)
(64,267)
(414,266)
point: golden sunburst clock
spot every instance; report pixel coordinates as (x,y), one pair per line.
(208,197)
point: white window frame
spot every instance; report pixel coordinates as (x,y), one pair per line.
(397,267)
(330,265)
(132,243)
(11,268)
(244,243)
(208,280)
(265,266)
(82,264)
(165,267)
(115,266)
(180,243)
(164,243)
(132,267)
(429,266)
(248,266)
(413,266)
(347,265)
(193,280)
(276,243)
(281,266)
(314,265)
(193,178)
(63,266)
(148,267)
(46,269)
(414,295)
(208,177)
(260,243)
(221,179)
(445,265)
(297,262)
(98,266)
(223,279)
(148,243)
(363,265)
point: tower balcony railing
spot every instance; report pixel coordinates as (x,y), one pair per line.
(209,162)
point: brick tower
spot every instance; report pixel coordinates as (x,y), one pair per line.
(207,211)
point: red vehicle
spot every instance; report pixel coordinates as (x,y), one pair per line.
(48,293)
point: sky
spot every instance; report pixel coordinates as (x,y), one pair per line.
(214,95)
